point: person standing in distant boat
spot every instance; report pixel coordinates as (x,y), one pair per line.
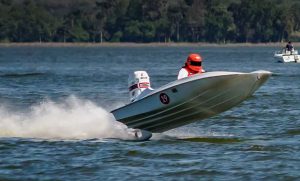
(193,65)
(289,47)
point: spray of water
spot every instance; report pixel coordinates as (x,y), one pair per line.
(70,119)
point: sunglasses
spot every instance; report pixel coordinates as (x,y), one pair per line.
(196,63)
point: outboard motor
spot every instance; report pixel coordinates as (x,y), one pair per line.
(138,82)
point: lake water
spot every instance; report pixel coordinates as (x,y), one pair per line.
(55,122)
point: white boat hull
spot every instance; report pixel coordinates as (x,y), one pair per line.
(287,57)
(190,99)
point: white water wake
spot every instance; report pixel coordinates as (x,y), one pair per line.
(70,119)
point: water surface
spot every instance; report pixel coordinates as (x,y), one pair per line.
(55,122)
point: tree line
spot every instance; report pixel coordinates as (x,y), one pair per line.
(217,21)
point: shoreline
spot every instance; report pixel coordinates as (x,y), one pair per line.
(129,44)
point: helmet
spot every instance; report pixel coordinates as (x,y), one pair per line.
(194,61)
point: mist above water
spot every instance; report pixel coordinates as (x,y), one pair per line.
(72,118)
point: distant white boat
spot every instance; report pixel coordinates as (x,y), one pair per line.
(285,56)
(185,100)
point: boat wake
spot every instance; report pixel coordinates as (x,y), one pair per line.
(194,134)
(70,119)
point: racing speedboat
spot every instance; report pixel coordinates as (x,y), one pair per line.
(185,100)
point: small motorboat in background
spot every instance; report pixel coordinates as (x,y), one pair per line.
(286,56)
(185,100)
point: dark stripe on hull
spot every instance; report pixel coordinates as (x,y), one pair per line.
(179,120)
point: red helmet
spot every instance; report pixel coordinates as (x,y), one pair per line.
(194,61)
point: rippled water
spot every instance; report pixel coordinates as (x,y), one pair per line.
(55,122)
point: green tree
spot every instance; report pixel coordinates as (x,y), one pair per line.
(154,19)
(5,20)
(175,13)
(218,22)
(29,22)
(149,20)
(132,31)
(194,25)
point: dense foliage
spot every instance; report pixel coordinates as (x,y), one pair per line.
(219,21)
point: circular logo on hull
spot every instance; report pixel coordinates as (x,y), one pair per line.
(164,98)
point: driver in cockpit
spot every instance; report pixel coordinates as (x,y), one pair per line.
(289,47)
(193,65)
